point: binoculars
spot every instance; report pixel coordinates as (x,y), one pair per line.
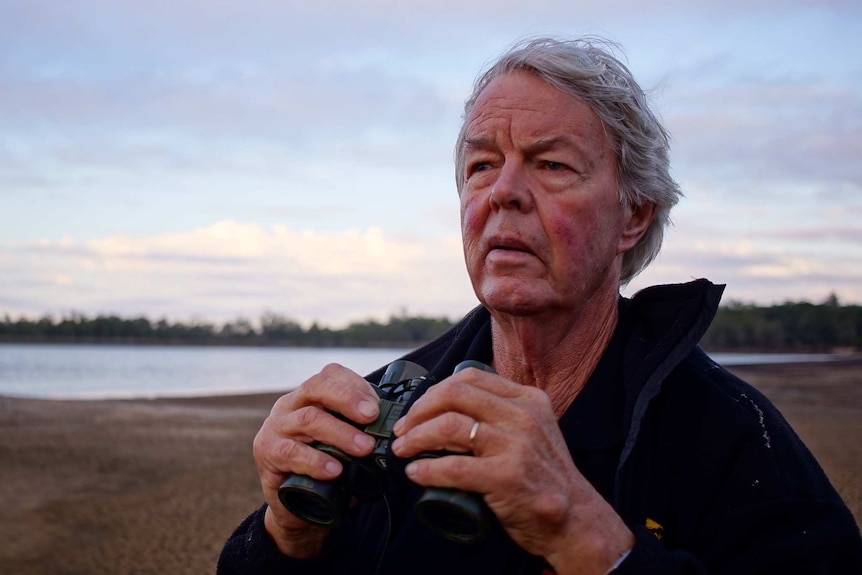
(456,515)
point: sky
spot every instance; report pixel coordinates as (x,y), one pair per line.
(214,160)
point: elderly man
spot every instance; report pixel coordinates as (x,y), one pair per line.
(603,439)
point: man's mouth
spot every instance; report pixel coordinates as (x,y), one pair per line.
(508,244)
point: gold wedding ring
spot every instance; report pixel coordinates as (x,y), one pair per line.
(473,431)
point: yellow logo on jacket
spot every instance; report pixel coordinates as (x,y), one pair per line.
(655,528)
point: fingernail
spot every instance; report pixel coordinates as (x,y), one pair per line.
(399,426)
(367,408)
(411,469)
(332,467)
(363,441)
(396,445)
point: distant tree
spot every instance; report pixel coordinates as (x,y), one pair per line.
(832,300)
(240,328)
(277,328)
(791,326)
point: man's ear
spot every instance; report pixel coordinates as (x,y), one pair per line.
(638,220)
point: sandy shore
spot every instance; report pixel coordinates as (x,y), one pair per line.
(156,486)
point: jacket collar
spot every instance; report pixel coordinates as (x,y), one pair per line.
(667,322)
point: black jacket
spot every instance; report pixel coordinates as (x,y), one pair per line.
(701,466)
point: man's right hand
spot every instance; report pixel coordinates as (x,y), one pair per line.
(299,418)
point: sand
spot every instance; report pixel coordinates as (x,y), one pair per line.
(155,486)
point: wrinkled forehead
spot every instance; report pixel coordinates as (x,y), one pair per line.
(524,105)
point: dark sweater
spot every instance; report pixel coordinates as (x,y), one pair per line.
(701,466)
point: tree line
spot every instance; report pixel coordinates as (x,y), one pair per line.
(788,327)
(271,330)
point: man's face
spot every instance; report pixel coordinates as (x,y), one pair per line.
(541,220)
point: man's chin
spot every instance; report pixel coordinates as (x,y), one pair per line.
(514,300)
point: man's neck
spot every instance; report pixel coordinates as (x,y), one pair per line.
(558,359)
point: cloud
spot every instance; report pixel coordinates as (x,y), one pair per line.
(816,234)
(176,121)
(756,272)
(230,268)
(784,131)
(319,137)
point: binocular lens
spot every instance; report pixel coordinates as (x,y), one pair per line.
(457,515)
(317,502)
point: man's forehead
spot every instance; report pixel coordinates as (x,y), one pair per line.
(532,107)
(507,108)
(539,143)
(536,133)
(551,124)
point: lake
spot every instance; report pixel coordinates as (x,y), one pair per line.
(122,372)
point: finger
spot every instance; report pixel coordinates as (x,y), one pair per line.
(464,472)
(282,444)
(336,389)
(482,403)
(488,381)
(450,431)
(277,458)
(312,424)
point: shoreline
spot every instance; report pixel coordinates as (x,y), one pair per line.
(157,485)
(200,377)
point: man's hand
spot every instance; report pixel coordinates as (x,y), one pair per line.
(520,463)
(281,447)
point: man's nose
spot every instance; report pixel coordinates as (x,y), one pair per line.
(511,190)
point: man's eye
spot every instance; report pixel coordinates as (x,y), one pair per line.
(555,166)
(478,167)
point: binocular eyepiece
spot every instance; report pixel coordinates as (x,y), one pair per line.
(456,515)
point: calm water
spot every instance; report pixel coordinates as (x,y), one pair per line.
(101,372)
(94,371)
